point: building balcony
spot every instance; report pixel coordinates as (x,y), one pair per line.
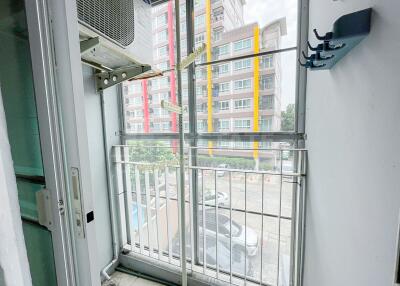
(240,221)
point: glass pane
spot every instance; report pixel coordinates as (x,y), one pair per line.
(251,94)
(18,97)
(142,98)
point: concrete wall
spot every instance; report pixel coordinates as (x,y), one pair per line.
(353,128)
(97,158)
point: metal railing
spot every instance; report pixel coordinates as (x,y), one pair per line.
(245,220)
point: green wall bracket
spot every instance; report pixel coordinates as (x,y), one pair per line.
(348,31)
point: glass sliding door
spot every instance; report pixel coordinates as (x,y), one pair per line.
(16,83)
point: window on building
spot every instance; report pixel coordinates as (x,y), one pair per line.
(242,103)
(224,124)
(199,39)
(242,123)
(163,65)
(267,82)
(224,86)
(162,51)
(222,69)
(267,102)
(162,36)
(265,124)
(162,20)
(217,34)
(242,84)
(199,21)
(224,105)
(242,64)
(222,50)
(242,44)
(267,62)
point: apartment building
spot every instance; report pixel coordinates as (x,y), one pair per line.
(234,84)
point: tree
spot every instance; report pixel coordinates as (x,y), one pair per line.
(287,118)
(151,152)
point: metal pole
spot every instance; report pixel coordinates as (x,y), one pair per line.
(192,128)
(181,153)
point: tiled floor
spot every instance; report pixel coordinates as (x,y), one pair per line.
(122,279)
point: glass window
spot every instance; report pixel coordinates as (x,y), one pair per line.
(242,64)
(267,102)
(242,123)
(224,124)
(162,51)
(242,44)
(222,50)
(199,21)
(162,20)
(267,81)
(242,84)
(162,36)
(267,61)
(224,105)
(224,86)
(242,103)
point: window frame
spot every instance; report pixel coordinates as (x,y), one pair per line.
(196,138)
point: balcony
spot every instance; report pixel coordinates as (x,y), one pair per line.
(246,215)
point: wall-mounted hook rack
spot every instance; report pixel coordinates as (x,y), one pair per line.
(347,32)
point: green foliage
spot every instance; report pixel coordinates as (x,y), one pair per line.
(232,162)
(287,123)
(151,152)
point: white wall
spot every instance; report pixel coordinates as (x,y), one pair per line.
(353,129)
(97,158)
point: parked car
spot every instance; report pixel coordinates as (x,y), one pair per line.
(244,239)
(209,198)
(221,173)
(224,256)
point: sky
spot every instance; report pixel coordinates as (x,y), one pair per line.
(266,11)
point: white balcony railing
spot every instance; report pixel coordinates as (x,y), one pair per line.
(250,212)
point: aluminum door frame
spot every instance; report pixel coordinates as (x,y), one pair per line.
(51,139)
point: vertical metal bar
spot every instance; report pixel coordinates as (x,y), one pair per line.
(191,210)
(167,212)
(245,228)
(204,223)
(192,127)
(279,217)
(148,211)
(128,196)
(262,228)
(139,208)
(121,197)
(216,221)
(301,73)
(181,153)
(293,235)
(157,190)
(230,227)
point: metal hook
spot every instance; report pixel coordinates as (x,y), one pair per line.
(328,36)
(318,48)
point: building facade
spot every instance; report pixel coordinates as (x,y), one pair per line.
(243,95)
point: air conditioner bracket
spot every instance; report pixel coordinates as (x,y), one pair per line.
(111,78)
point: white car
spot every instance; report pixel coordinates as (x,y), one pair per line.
(244,239)
(221,173)
(209,198)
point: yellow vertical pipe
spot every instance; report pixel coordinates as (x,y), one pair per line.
(209,73)
(256,66)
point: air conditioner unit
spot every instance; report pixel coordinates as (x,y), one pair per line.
(123,28)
